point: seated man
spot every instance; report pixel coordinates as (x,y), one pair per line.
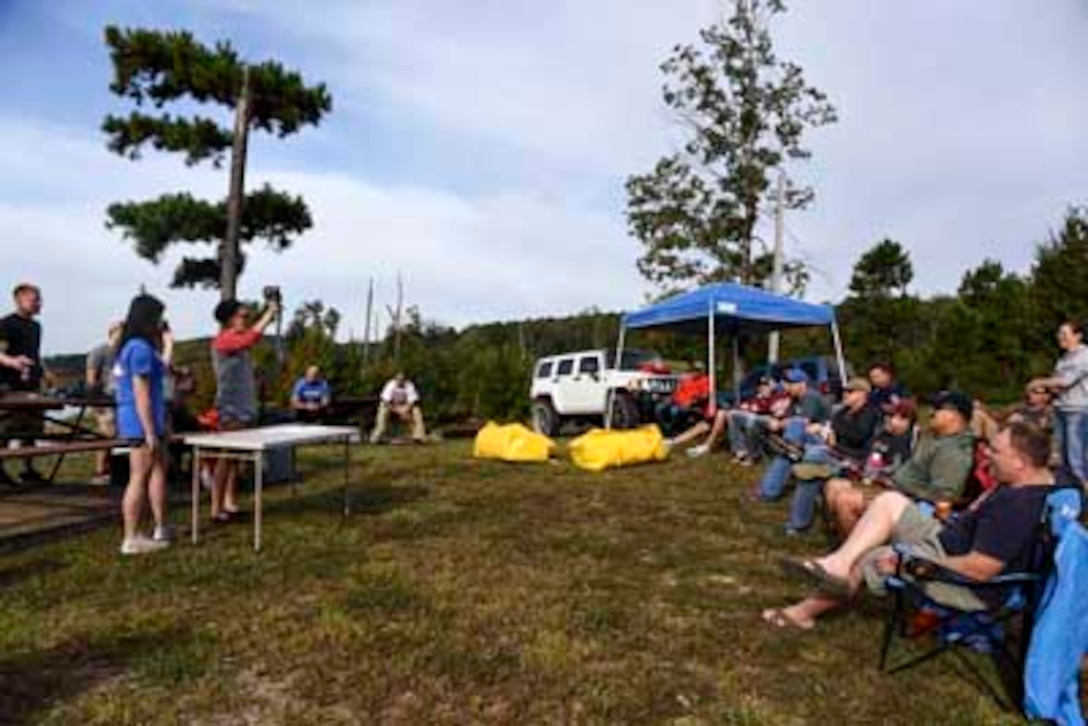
(311,396)
(995,535)
(399,398)
(845,445)
(808,412)
(687,403)
(745,422)
(936,471)
(1037,408)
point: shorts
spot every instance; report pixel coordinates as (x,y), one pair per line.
(106,421)
(922,533)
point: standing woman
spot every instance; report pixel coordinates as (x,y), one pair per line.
(1070,386)
(139,373)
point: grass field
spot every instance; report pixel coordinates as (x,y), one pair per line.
(460,592)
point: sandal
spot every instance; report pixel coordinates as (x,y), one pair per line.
(777,619)
(814,574)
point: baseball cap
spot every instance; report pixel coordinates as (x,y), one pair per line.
(955,401)
(795,375)
(857,383)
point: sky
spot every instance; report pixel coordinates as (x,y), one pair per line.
(479,148)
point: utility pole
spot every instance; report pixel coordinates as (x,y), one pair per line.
(776,268)
(366,326)
(228,259)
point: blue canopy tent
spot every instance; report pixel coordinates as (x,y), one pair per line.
(730,309)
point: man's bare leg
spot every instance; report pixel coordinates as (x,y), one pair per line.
(873,530)
(691,434)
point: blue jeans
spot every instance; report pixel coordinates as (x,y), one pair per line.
(742,425)
(1071,430)
(777,475)
(806,491)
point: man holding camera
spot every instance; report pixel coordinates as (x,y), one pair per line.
(236,387)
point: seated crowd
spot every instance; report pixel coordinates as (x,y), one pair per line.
(967,491)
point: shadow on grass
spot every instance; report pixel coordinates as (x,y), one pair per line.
(30,683)
(364,499)
(11,576)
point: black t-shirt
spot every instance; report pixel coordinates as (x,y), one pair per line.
(20,336)
(893,449)
(854,431)
(1003,525)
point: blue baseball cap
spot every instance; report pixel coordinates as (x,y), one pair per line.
(795,375)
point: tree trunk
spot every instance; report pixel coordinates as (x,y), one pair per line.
(229,254)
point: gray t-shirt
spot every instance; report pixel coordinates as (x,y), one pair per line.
(100,360)
(236,386)
(1072,370)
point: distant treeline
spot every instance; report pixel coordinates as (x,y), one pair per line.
(988,339)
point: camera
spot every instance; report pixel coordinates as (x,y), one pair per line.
(272,294)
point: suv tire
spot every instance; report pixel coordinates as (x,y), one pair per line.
(545,419)
(625,413)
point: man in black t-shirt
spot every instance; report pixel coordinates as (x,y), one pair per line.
(21,370)
(844,445)
(994,535)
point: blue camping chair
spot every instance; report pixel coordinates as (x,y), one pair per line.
(983,631)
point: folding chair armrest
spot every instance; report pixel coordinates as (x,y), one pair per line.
(923,569)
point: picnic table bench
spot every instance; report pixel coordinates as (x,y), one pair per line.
(72,433)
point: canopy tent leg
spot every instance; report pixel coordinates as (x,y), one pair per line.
(838,349)
(610,394)
(711,362)
(736,369)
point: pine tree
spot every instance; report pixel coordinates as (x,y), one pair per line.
(155,68)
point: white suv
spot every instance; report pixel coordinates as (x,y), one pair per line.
(576,386)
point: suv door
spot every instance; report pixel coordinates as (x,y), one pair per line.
(562,380)
(584,390)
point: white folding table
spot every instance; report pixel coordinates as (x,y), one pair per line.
(251,445)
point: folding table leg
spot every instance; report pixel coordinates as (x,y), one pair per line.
(258,485)
(347,477)
(195,504)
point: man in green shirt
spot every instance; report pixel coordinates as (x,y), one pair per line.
(936,471)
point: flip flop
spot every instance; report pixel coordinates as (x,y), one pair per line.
(777,619)
(814,574)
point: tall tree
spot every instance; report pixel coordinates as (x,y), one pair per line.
(745,112)
(1059,282)
(153,68)
(882,271)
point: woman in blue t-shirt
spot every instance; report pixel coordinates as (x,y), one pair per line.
(139,371)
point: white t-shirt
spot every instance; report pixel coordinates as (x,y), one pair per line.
(403,395)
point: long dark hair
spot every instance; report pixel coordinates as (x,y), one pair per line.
(144,320)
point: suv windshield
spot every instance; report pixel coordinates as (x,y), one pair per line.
(633,360)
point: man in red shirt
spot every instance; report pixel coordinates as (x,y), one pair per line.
(687,402)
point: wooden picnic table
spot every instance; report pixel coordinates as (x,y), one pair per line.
(72,432)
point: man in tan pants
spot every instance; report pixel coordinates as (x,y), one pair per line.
(400,398)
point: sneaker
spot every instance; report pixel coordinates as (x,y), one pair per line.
(808,471)
(163,533)
(696,451)
(140,545)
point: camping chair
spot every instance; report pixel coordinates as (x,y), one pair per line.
(915,614)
